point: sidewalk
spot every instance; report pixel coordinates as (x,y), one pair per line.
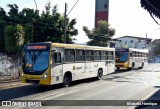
(10,84)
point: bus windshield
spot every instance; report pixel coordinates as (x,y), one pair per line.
(35,61)
(121,56)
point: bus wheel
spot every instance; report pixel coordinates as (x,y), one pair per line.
(66,80)
(141,66)
(130,68)
(118,68)
(100,73)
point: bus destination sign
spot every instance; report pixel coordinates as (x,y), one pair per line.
(36,47)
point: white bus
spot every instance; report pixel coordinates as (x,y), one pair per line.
(54,63)
(130,58)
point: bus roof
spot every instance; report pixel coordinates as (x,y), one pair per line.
(73,46)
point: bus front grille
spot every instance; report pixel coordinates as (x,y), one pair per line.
(32,81)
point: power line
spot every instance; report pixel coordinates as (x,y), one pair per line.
(65,16)
(72,7)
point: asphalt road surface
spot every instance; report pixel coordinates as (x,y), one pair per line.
(113,91)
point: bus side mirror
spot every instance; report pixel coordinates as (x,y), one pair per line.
(53,51)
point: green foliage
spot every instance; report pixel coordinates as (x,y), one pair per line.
(3,19)
(101,35)
(28,33)
(20,35)
(14,37)
(156,47)
(10,39)
(49,26)
(2,45)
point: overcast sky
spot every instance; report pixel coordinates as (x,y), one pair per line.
(126,16)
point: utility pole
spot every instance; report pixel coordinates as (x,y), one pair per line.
(65,16)
(65,22)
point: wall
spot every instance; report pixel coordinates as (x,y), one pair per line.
(8,67)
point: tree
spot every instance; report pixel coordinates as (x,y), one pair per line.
(53,26)
(14,38)
(28,33)
(156,47)
(71,31)
(2,26)
(13,13)
(48,26)
(3,19)
(101,35)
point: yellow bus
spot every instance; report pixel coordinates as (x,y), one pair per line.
(130,58)
(53,63)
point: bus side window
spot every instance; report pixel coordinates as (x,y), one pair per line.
(130,54)
(69,55)
(97,55)
(103,55)
(89,55)
(57,57)
(80,56)
(110,55)
(106,57)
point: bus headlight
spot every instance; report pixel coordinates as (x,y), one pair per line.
(22,74)
(45,76)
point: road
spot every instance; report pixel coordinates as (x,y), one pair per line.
(121,85)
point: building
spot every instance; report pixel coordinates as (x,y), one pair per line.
(133,42)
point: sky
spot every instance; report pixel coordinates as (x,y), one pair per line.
(126,16)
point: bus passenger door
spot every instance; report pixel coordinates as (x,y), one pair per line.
(110,62)
(56,68)
(130,58)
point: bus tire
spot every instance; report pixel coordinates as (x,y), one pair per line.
(99,74)
(130,68)
(118,68)
(67,79)
(142,65)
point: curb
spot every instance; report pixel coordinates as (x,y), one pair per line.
(9,81)
(10,84)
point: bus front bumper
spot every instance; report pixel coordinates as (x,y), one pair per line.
(124,65)
(35,79)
